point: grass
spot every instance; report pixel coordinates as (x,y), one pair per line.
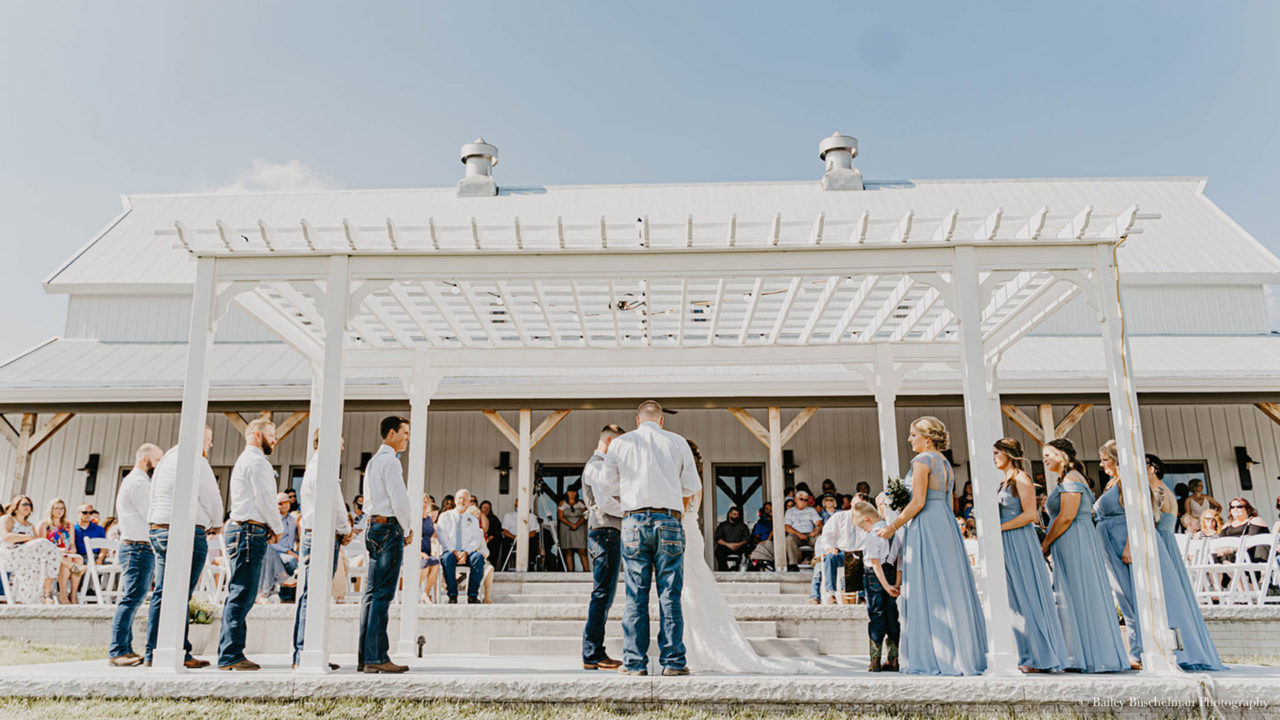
(24,652)
(320,709)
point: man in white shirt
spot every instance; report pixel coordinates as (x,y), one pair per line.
(311,487)
(510,522)
(840,534)
(461,541)
(657,476)
(159,512)
(803,525)
(604,539)
(391,521)
(255,522)
(135,556)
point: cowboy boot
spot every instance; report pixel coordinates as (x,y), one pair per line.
(875,658)
(891,662)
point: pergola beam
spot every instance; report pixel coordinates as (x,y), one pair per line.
(1270,409)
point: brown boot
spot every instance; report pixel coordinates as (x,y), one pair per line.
(386,667)
(891,661)
(875,659)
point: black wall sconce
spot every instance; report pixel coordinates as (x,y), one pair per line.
(1244,464)
(504,472)
(789,470)
(365,457)
(91,480)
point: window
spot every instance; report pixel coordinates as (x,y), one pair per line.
(741,486)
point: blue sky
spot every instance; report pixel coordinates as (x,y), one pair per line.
(101,99)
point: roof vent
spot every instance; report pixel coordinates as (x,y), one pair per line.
(479,157)
(838,151)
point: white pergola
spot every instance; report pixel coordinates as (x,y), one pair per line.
(881,296)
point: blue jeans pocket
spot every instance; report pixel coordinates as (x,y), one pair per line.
(671,540)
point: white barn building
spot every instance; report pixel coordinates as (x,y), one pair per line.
(1207,367)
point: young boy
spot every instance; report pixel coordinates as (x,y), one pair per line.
(879,557)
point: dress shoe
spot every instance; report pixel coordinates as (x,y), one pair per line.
(607,663)
(386,667)
(196,664)
(245,664)
(623,670)
(675,672)
(473,601)
(129,660)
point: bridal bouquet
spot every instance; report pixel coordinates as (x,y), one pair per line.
(899,496)
(200,612)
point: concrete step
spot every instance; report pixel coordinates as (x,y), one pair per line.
(553,598)
(584,588)
(572,646)
(612,628)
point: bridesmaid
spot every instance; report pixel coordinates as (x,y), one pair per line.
(1036,625)
(1115,545)
(1198,652)
(1080,584)
(943,632)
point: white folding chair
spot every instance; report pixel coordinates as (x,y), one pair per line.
(215,576)
(1255,577)
(1211,571)
(106,579)
(971,549)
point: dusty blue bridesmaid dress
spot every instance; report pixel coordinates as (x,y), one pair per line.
(1111,526)
(1198,651)
(1036,625)
(943,632)
(1081,589)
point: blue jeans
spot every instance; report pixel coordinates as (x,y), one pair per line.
(159,546)
(653,545)
(300,612)
(882,609)
(605,547)
(475,561)
(385,542)
(136,563)
(246,546)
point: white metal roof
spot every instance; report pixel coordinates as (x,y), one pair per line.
(93,371)
(1193,241)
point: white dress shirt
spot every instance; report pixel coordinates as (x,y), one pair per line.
(253,491)
(132,501)
(384,490)
(511,522)
(459,531)
(602,497)
(208,497)
(652,468)
(307,499)
(838,531)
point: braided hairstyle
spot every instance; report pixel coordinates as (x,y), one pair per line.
(1068,448)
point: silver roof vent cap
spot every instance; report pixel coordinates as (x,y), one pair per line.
(479,157)
(838,152)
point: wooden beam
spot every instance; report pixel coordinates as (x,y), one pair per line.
(796,423)
(46,431)
(507,431)
(1071,419)
(289,425)
(1048,431)
(546,426)
(237,421)
(11,433)
(1020,419)
(752,425)
(22,458)
(1270,409)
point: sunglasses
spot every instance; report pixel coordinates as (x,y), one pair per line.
(86,512)
(1237,507)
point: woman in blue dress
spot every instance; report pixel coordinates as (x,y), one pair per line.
(1036,625)
(1109,510)
(1198,651)
(1080,585)
(943,632)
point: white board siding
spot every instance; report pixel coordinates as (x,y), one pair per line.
(152,318)
(837,443)
(1173,310)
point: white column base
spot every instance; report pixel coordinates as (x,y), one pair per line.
(168,661)
(314,662)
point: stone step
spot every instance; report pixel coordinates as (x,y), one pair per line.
(572,646)
(584,588)
(612,628)
(552,598)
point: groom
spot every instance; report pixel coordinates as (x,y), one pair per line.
(656,477)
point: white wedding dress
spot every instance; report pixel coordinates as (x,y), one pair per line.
(712,639)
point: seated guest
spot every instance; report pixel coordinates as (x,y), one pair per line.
(493,531)
(281,559)
(762,536)
(1190,525)
(828,507)
(461,540)
(803,525)
(828,487)
(88,528)
(510,522)
(732,538)
(863,488)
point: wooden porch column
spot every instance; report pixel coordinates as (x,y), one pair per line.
(26,440)
(525,440)
(1045,431)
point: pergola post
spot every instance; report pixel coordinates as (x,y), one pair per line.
(169,652)
(981,429)
(315,654)
(777,489)
(524,475)
(1157,639)
(421,388)
(885,385)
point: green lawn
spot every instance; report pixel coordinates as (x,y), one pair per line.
(22,652)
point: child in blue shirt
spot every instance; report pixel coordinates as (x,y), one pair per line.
(879,558)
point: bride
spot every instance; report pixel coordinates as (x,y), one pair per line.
(713,641)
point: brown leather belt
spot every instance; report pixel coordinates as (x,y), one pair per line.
(253,523)
(165,526)
(382,519)
(659,511)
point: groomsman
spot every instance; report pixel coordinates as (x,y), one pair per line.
(159,512)
(461,541)
(604,539)
(255,523)
(135,556)
(390,517)
(342,527)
